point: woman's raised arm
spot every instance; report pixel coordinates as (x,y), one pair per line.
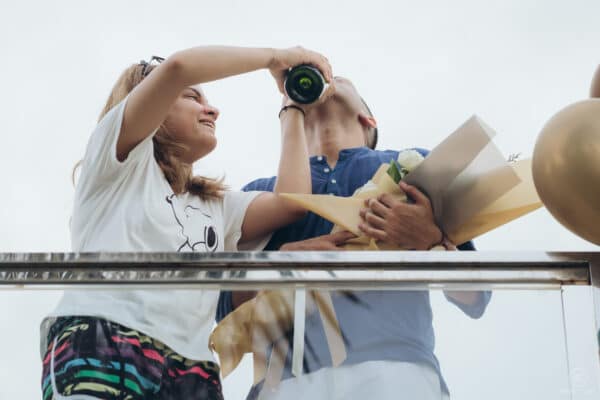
(149,102)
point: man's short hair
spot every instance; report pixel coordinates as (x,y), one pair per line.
(373,132)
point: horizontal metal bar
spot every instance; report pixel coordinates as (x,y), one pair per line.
(277,259)
(328,270)
(333,286)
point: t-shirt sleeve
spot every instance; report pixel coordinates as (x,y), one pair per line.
(100,164)
(235,205)
(262,184)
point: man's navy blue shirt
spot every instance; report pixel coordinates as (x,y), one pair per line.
(376,325)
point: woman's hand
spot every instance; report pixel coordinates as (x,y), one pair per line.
(284,59)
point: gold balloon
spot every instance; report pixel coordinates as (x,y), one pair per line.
(595,87)
(566,168)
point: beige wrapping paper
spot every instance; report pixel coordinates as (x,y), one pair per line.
(251,328)
(264,320)
(520,200)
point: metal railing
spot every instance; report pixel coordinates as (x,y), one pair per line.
(565,273)
(339,270)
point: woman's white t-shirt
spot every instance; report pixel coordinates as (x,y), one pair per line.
(129,207)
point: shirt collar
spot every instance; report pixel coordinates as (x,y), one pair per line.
(343,154)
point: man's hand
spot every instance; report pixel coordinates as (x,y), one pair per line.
(325,242)
(407,225)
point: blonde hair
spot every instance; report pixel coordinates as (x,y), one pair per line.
(167,151)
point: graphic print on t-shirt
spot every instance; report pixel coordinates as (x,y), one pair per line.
(197,230)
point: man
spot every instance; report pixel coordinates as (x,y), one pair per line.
(388,334)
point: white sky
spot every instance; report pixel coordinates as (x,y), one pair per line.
(423,67)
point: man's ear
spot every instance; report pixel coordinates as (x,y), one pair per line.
(367,121)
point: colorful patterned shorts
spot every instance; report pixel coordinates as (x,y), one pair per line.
(92,358)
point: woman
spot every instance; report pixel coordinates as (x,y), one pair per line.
(136,192)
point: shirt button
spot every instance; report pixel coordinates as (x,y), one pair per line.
(333,181)
(320,158)
(326,169)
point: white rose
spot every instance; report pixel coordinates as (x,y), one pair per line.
(370,185)
(410,159)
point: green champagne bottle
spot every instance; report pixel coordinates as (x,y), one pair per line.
(304,84)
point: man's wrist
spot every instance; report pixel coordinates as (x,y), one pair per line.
(286,109)
(439,238)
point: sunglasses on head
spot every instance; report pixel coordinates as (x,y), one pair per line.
(154,60)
